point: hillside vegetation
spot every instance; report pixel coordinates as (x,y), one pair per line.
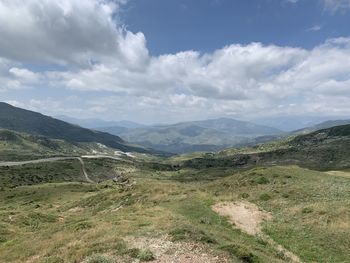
(20,120)
(163,209)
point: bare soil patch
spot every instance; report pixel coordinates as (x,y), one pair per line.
(339,173)
(248,218)
(166,251)
(245,216)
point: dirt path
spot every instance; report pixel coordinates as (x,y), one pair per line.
(53,159)
(248,218)
(46,160)
(84,170)
(345,174)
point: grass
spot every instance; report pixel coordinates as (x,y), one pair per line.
(42,221)
(30,174)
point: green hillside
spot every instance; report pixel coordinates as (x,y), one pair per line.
(21,120)
(322,125)
(21,146)
(280,201)
(320,150)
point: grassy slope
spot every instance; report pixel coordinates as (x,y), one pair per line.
(41,222)
(21,146)
(33,174)
(21,120)
(309,208)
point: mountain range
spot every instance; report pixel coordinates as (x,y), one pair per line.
(206,135)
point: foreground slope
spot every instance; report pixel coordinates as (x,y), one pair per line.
(169,210)
(20,120)
(154,215)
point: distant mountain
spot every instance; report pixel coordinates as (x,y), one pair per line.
(20,120)
(322,125)
(207,135)
(237,127)
(98,123)
(291,123)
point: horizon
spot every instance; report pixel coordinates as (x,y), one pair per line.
(273,122)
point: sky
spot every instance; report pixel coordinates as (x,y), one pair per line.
(165,61)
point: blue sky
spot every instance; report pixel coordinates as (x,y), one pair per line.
(156,61)
(206,25)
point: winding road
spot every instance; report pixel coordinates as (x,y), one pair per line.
(55,159)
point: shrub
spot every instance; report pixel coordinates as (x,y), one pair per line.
(142,255)
(145,255)
(241,252)
(52,259)
(307,210)
(192,234)
(244,195)
(265,197)
(82,225)
(262,180)
(97,258)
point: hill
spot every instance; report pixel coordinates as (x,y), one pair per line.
(21,146)
(20,120)
(321,150)
(169,210)
(207,135)
(322,125)
(99,123)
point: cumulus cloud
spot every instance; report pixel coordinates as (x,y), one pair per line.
(101,57)
(67,31)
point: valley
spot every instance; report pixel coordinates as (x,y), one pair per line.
(280,201)
(211,131)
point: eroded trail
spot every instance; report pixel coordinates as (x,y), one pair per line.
(248,218)
(53,159)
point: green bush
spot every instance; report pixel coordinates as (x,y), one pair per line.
(307,210)
(52,260)
(244,195)
(265,197)
(191,234)
(97,258)
(145,255)
(82,225)
(142,255)
(262,180)
(241,252)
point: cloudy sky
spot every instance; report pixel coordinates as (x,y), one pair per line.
(154,61)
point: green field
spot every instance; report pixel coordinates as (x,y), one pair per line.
(73,222)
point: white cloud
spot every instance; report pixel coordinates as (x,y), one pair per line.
(25,74)
(336,5)
(314,28)
(101,57)
(67,31)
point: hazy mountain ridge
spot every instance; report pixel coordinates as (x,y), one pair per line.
(322,125)
(206,135)
(95,123)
